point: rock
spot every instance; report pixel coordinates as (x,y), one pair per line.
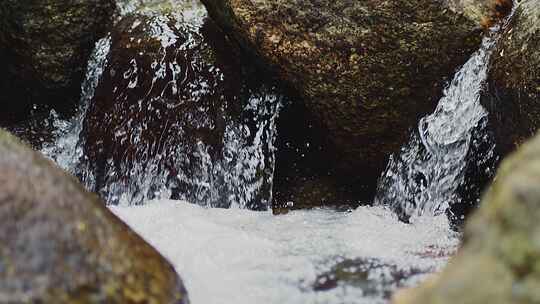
(60,244)
(44,48)
(498,262)
(480,168)
(514,79)
(373,277)
(487,12)
(172,118)
(366,70)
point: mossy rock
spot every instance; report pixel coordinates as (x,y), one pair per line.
(366,70)
(500,258)
(44,49)
(60,244)
(514,79)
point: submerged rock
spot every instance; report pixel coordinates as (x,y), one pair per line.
(367,70)
(373,277)
(172,118)
(44,48)
(514,79)
(60,244)
(499,259)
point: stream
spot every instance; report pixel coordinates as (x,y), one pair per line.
(240,256)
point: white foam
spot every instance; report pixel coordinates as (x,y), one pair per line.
(240,256)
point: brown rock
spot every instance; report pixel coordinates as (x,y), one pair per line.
(60,244)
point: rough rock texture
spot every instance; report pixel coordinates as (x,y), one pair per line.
(366,69)
(514,79)
(499,261)
(60,244)
(487,11)
(44,48)
(172,118)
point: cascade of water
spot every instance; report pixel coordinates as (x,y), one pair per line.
(424,177)
(255,257)
(242,174)
(66,150)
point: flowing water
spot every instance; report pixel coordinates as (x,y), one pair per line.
(424,177)
(246,257)
(242,174)
(320,256)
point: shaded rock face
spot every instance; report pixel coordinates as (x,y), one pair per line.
(60,244)
(514,79)
(171,118)
(482,162)
(366,70)
(499,259)
(44,48)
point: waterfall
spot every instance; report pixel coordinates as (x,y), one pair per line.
(423,178)
(66,149)
(240,176)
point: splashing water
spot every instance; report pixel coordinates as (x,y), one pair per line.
(66,150)
(243,173)
(423,179)
(246,257)
(240,256)
(191,11)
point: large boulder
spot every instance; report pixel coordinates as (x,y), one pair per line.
(514,79)
(60,244)
(366,70)
(44,48)
(499,260)
(172,118)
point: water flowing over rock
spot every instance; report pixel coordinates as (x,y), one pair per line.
(367,70)
(172,118)
(192,11)
(44,48)
(363,255)
(514,79)
(376,279)
(499,258)
(60,244)
(425,176)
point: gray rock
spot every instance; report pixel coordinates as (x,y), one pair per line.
(500,258)
(60,244)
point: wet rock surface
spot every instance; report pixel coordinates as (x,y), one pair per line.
(514,80)
(171,118)
(498,261)
(374,278)
(44,48)
(60,244)
(366,70)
